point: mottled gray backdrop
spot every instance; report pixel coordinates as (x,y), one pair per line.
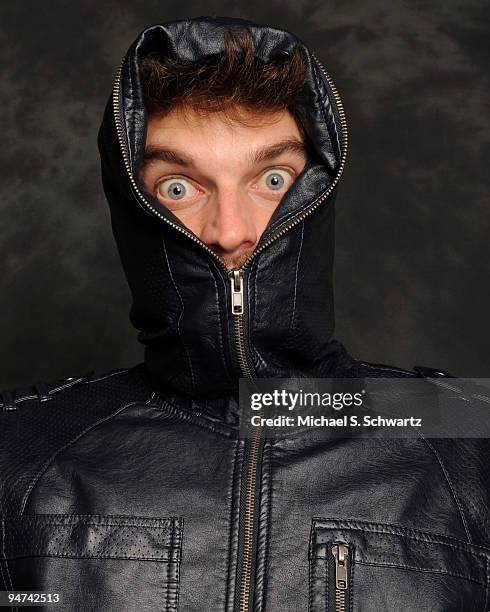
(413,250)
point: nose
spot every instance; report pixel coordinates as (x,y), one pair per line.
(229,228)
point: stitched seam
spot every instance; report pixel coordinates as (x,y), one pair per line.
(22,399)
(407,532)
(128,524)
(421,569)
(167,581)
(419,540)
(46,465)
(254,271)
(297,211)
(104,376)
(50,391)
(476,554)
(189,417)
(67,385)
(193,382)
(132,147)
(293,312)
(317,74)
(122,558)
(268,533)
(291,214)
(334,121)
(279,223)
(7,580)
(310,567)
(72,383)
(488,584)
(3,559)
(145,519)
(309,584)
(479,396)
(327,583)
(177,569)
(220,330)
(314,71)
(230,531)
(263,527)
(386,368)
(350,592)
(453,492)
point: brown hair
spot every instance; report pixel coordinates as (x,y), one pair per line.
(234,82)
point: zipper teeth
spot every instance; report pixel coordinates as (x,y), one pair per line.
(339,600)
(321,198)
(342,555)
(240,346)
(248,528)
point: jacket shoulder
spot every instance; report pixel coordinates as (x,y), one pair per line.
(125,384)
(462,462)
(39,421)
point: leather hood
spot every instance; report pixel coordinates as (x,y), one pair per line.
(181,293)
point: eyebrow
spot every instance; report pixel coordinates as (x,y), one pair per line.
(263,154)
(269,152)
(157,153)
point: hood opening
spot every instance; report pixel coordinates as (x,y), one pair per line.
(196,39)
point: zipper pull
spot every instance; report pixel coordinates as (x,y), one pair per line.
(341,554)
(237,292)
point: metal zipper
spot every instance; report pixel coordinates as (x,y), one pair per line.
(252,451)
(341,555)
(247,554)
(237,296)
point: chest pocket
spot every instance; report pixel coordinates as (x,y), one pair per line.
(96,562)
(357,566)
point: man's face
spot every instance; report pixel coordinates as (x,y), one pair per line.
(222,179)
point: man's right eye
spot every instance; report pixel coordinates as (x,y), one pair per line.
(176,189)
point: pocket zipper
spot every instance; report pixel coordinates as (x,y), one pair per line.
(341,555)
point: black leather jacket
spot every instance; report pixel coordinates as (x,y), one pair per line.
(132,491)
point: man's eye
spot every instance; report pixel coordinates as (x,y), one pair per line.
(176,189)
(275,180)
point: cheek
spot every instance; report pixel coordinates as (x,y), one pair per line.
(270,203)
(192,219)
(262,216)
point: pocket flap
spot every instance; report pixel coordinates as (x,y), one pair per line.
(93,536)
(388,545)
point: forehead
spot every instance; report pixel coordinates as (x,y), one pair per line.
(243,129)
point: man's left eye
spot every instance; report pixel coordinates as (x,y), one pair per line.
(275,180)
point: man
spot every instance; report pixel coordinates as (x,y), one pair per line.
(221,149)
